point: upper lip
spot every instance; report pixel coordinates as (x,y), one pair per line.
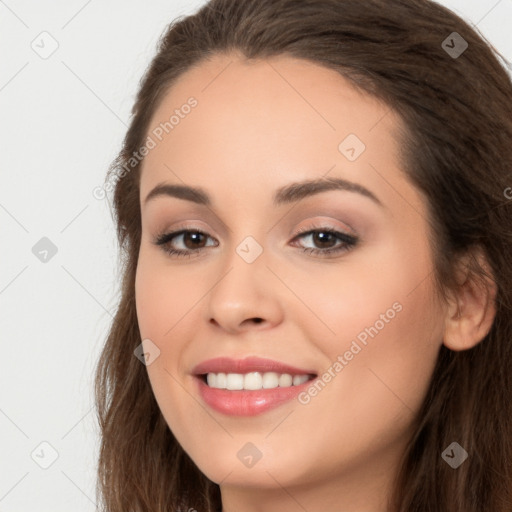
(248,364)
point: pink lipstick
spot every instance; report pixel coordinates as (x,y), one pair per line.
(250,386)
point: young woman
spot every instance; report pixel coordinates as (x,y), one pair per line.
(314,206)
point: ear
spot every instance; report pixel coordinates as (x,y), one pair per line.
(472,308)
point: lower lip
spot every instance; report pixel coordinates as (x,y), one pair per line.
(248,402)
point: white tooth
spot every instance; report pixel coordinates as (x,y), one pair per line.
(299,379)
(270,380)
(211,378)
(221,380)
(252,380)
(285,380)
(234,381)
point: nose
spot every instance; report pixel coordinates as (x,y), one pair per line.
(245,297)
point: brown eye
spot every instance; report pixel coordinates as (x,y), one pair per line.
(193,241)
(324,240)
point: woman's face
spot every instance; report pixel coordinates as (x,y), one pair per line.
(364,317)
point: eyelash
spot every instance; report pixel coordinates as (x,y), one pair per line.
(349,241)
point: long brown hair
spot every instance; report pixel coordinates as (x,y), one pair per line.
(456,149)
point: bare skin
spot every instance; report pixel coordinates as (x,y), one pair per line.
(257,127)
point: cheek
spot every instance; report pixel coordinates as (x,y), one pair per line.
(162,296)
(381,316)
(163,299)
(372,394)
(382,291)
(166,303)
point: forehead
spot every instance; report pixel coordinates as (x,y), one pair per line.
(263,123)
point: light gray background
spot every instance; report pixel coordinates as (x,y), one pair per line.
(62,122)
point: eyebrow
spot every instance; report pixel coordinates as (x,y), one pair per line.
(284,195)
